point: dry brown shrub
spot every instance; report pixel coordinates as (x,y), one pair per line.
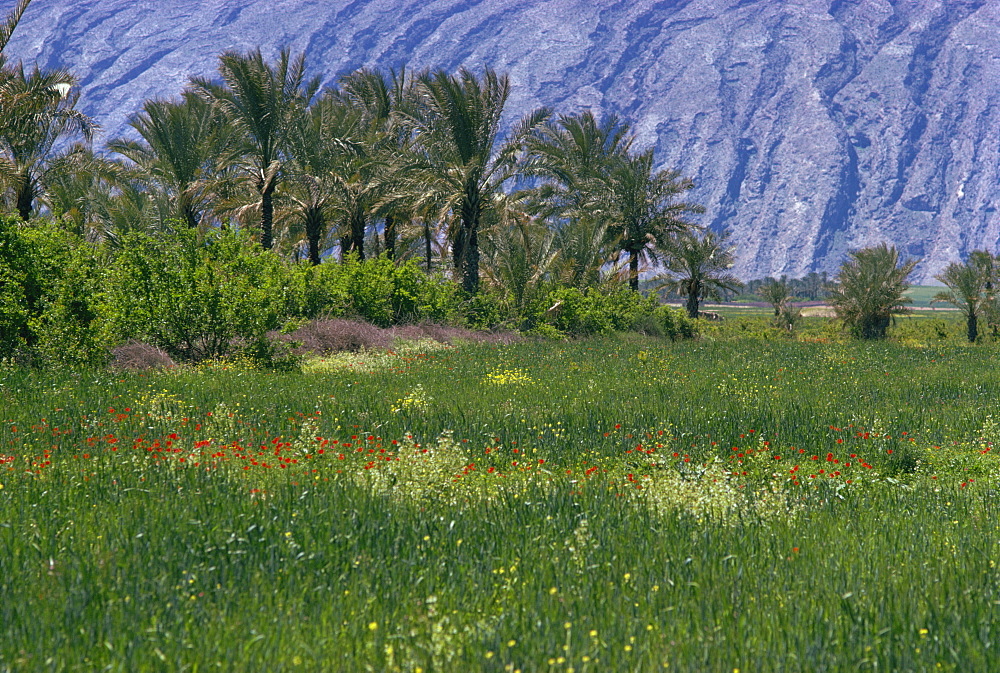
(139,356)
(336,335)
(449,335)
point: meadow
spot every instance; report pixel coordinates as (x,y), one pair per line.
(614,504)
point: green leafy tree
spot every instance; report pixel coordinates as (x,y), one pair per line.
(698,268)
(462,163)
(870,291)
(260,99)
(968,289)
(195,299)
(49,284)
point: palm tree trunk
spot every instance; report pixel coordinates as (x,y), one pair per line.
(693,300)
(190,214)
(470,270)
(467,241)
(25,196)
(633,270)
(427,243)
(358,233)
(267,216)
(972,327)
(390,237)
(458,248)
(314,230)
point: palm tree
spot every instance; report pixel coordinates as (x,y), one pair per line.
(967,289)
(9,24)
(639,208)
(37,110)
(570,151)
(462,163)
(322,140)
(260,99)
(776,293)
(81,192)
(180,143)
(517,254)
(570,155)
(580,243)
(870,290)
(698,268)
(383,99)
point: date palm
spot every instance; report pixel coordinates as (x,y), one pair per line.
(322,140)
(83,190)
(382,99)
(518,253)
(43,100)
(640,208)
(698,268)
(8,25)
(37,111)
(462,162)
(870,291)
(567,153)
(776,293)
(571,154)
(968,289)
(180,142)
(259,100)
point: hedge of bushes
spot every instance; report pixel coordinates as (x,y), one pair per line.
(66,300)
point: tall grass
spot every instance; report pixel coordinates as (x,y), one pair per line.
(619,504)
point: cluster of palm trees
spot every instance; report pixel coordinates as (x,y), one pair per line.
(872,283)
(37,110)
(420,165)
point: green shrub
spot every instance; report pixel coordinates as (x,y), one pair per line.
(488,310)
(674,323)
(49,287)
(378,291)
(196,300)
(18,288)
(578,312)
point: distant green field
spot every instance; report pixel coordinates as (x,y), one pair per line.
(922,294)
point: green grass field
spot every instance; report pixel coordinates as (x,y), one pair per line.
(621,504)
(921,295)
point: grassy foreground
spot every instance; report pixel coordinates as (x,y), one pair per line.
(612,505)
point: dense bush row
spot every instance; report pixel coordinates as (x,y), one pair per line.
(63,299)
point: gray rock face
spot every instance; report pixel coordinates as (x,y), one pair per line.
(811,127)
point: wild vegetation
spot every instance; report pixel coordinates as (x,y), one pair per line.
(293,380)
(400,163)
(550,210)
(730,504)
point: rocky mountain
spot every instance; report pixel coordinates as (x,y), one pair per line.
(811,127)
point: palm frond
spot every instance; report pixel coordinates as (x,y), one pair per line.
(10,23)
